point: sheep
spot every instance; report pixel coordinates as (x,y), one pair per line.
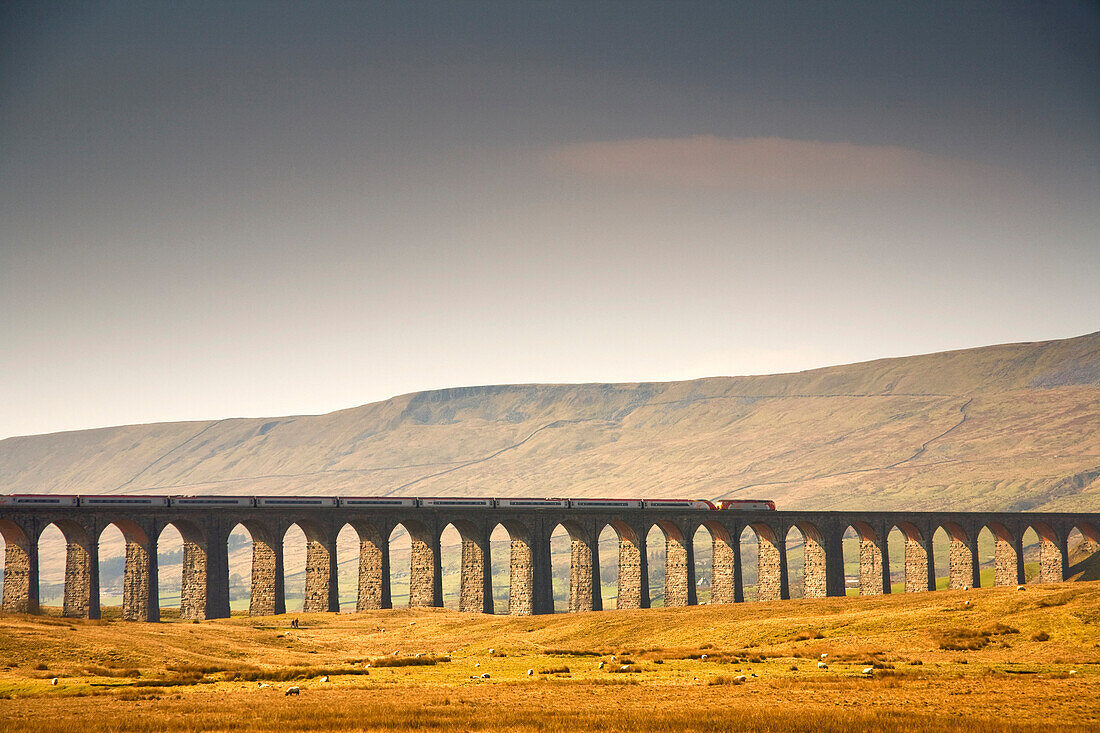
(325,678)
(477,664)
(755,675)
(1073,673)
(1021,587)
(485,676)
(492,651)
(868,671)
(53,681)
(824,655)
(264,685)
(822,665)
(704,657)
(740,678)
(366,666)
(530,672)
(412,623)
(966,587)
(624,667)
(418,655)
(395,653)
(967,604)
(600,665)
(293,691)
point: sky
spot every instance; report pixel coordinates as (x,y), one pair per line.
(219,209)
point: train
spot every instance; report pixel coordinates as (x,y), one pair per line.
(442,502)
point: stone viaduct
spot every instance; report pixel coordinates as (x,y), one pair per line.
(205,532)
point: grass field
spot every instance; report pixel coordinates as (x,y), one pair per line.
(1010,660)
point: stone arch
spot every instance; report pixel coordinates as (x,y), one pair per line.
(475,583)
(814,564)
(723,573)
(633,578)
(523,597)
(1008,559)
(425,581)
(1082,544)
(373,592)
(200,596)
(584,567)
(918,567)
(962,557)
(81,599)
(771,562)
(266,580)
(874,574)
(20,570)
(139,589)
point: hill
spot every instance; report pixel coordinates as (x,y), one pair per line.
(1009,427)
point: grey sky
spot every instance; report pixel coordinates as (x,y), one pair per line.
(262,209)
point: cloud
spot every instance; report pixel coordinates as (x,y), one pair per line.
(768,164)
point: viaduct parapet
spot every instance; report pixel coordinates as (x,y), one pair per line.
(205,532)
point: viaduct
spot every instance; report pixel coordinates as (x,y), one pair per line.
(205,532)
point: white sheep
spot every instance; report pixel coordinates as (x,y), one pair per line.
(704,657)
(293,691)
(412,623)
(264,685)
(418,655)
(325,678)
(477,664)
(822,665)
(366,666)
(624,667)
(868,671)
(1021,587)
(824,655)
(492,651)
(530,672)
(967,604)
(600,665)
(53,681)
(1073,673)
(740,678)
(485,676)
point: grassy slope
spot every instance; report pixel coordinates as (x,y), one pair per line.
(918,684)
(1002,427)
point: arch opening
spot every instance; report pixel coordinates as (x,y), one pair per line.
(608,543)
(656,557)
(1083,544)
(169,550)
(51,569)
(500,554)
(1031,546)
(986,543)
(239,548)
(561,567)
(796,561)
(400,542)
(112,570)
(703,544)
(450,561)
(294,568)
(849,549)
(941,553)
(347,567)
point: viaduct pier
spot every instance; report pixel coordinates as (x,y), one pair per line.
(205,532)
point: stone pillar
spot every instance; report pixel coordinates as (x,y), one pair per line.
(476,583)
(815,568)
(542,576)
(521,577)
(961,559)
(834,563)
(584,584)
(205,591)
(138,583)
(321,591)
(425,582)
(81,576)
(917,564)
(633,570)
(679,569)
(874,577)
(20,573)
(374,569)
(1053,561)
(268,593)
(771,573)
(725,568)
(1007,561)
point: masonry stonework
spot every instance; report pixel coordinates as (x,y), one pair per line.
(722,589)
(135,583)
(871,566)
(815,576)
(916,565)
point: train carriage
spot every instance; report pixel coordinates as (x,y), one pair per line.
(37,500)
(276,501)
(121,500)
(746,505)
(211,501)
(457,502)
(677,504)
(520,503)
(606,503)
(379,501)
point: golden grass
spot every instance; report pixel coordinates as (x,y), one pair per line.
(682,668)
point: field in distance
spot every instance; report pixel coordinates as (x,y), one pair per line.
(978,660)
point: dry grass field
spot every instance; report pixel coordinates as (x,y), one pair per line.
(1008,660)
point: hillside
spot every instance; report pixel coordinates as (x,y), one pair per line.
(1004,427)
